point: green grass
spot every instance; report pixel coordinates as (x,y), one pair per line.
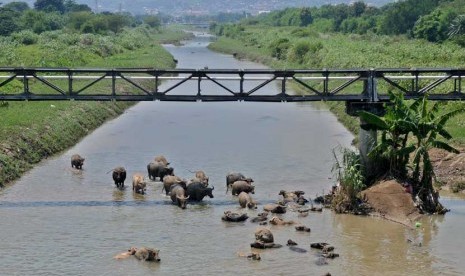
(340,51)
(31,131)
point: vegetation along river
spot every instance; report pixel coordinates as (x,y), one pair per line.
(59,221)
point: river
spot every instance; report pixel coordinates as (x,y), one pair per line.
(59,221)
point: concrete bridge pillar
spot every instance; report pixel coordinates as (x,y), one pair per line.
(367,142)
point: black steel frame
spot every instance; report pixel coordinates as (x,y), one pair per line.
(351,85)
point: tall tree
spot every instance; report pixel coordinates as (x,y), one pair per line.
(50,5)
(17,6)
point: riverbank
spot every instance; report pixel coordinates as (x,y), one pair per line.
(330,52)
(448,167)
(33,131)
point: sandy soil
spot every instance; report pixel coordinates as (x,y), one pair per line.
(449,168)
(390,201)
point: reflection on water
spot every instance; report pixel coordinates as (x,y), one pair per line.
(58,221)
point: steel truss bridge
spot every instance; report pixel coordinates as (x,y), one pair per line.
(213,85)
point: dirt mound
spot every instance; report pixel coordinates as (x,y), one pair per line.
(390,200)
(449,169)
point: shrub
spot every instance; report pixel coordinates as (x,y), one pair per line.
(300,51)
(350,177)
(25,37)
(279,48)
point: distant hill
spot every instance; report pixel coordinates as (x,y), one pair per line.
(201,7)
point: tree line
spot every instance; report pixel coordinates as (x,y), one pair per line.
(51,15)
(433,20)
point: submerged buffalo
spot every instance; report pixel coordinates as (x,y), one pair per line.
(178,196)
(119,176)
(158,169)
(197,191)
(234,217)
(275,208)
(143,254)
(264,239)
(77,161)
(148,254)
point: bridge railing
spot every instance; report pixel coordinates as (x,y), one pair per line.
(145,84)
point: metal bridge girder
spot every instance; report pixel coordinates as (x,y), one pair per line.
(143,84)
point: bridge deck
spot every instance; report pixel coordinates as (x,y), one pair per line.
(144,84)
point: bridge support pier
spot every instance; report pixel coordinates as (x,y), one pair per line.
(367,138)
(367,142)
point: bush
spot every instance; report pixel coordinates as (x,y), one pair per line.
(351,181)
(25,37)
(279,48)
(302,49)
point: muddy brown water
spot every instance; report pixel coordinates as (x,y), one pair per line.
(59,221)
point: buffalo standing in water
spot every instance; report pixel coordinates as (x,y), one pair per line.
(138,183)
(233,177)
(178,196)
(200,176)
(158,169)
(242,186)
(245,200)
(170,180)
(161,159)
(119,175)
(197,191)
(77,161)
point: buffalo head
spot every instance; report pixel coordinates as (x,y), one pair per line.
(182,201)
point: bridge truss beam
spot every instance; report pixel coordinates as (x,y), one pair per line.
(213,85)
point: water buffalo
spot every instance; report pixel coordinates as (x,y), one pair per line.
(280,221)
(197,191)
(200,176)
(264,235)
(178,196)
(233,177)
(170,180)
(251,256)
(264,239)
(291,196)
(242,186)
(147,254)
(119,175)
(275,208)
(131,251)
(234,217)
(138,183)
(261,217)
(245,200)
(158,169)
(77,161)
(161,159)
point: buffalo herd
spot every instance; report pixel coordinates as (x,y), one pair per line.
(182,191)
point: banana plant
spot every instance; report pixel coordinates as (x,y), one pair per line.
(395,127)
(425,127)
(429,132)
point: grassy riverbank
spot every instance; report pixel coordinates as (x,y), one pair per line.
(32,131)
(342,51)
